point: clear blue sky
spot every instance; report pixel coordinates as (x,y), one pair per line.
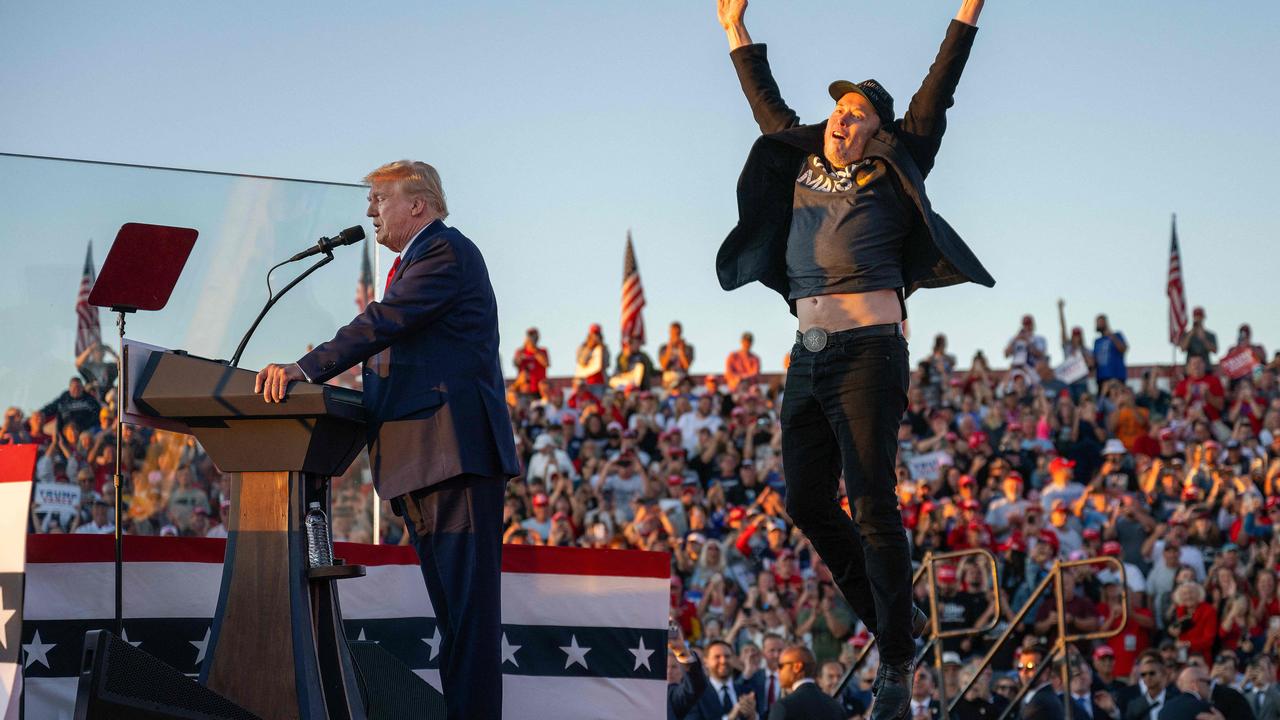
(1078,128)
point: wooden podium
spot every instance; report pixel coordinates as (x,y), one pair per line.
(277,647)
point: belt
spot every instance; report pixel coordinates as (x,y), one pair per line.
(815,338)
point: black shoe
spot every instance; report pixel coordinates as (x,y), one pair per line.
(892,692)
(919,622)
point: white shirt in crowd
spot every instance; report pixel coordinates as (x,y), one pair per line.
(92,528)
(690,423)
(1188,555)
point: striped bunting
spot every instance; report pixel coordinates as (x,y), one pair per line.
(585,623)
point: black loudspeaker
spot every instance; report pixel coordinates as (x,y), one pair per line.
(392,691)
(119,681)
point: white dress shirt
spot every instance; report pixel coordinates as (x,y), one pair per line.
(1156,704)
(718,686)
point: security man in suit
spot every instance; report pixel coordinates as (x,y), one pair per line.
(797,671)
(1041,701)
(440,441)
(1154,691)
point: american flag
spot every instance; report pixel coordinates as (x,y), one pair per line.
(632,296)
(1174,289)
(88,327)
(364,286)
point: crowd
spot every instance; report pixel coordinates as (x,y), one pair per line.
(1068,454)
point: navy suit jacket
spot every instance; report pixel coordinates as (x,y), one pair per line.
(682,696)
(709,708)
(434,396)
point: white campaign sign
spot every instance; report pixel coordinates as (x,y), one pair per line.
(1073,369)
(929,465)
(56,497)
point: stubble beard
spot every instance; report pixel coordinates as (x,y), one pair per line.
(841,155)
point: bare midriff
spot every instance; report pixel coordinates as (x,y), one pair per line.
(844,311)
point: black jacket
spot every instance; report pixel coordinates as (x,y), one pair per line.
(682,696)
(807,702)
(1045,704)
(1139,708)
(1231,703)
(1183,707)
(933,256)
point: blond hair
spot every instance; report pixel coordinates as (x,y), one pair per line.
(414,178)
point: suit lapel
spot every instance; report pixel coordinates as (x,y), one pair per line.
(419,245)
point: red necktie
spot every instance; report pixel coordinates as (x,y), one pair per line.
(394,266)
(772,692)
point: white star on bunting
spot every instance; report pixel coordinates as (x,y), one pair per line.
(433,642)
(575,654)
(642,656)
(509,651)
(201,645)
(6,614)
(37,651)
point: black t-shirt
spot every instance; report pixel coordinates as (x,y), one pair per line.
(848,227)
(740,494)
(82,412)
(958,611)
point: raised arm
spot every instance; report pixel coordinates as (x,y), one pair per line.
(969,12)
(751,61)
(922,127)
(731,15)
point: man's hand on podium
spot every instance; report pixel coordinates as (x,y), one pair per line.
(273,381)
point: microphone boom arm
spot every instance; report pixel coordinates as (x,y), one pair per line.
(328,258)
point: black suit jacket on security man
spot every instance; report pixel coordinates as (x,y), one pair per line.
(933,256)
(807,702)
(433,390)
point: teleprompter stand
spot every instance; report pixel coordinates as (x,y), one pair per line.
(140,272)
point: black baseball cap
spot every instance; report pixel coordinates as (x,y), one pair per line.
(872,90)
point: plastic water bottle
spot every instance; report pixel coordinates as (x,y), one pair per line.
(319,547)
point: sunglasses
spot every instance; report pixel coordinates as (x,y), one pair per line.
(1149,673)
(1026,666)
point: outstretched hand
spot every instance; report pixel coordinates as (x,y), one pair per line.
(730,12)
(731,15)
(273,381)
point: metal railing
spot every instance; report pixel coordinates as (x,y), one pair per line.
(936,633)
(1058,650)
(1063,641)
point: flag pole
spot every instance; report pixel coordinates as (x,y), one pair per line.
(1173,352)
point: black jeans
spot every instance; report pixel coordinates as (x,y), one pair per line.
(840,414)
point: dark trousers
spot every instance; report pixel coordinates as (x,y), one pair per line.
(456,527)
(840,414)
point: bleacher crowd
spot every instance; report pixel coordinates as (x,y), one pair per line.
(1067,454)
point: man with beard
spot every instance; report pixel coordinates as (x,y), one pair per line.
(834,217)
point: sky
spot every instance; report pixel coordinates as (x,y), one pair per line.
(1079,129)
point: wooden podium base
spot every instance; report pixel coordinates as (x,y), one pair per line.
(277,646)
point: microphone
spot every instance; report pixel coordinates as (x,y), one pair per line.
(326,245)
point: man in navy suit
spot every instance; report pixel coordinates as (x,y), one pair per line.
(723,699)
(440,440)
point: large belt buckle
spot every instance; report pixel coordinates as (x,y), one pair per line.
(814,339)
